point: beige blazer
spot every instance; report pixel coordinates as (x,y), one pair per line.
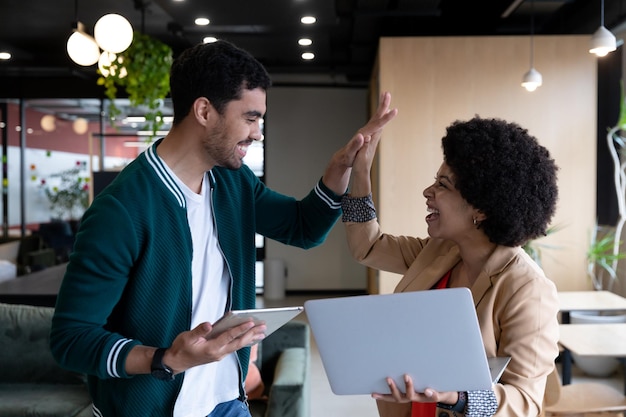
(516,304)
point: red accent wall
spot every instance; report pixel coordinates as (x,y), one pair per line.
(63,138)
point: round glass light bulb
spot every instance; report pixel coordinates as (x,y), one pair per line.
(113,33)
(48,123)
(109,64)
(83,49)
(80,126)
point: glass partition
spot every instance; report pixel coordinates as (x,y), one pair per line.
(52,147)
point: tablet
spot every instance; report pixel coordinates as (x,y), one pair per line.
(434,336)
(274,318)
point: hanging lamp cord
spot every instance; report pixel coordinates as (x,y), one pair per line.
(532,33)
(601,12)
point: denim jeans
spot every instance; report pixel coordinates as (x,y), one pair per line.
(234,408)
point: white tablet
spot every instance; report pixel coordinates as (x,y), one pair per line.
(274,318)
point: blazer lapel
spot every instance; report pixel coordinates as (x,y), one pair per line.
(424,273)
(427,270)
(498,260)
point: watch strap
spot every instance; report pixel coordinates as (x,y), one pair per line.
(158,368)
(459,406)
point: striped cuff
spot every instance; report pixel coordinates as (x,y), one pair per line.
(114,365)
(328,196)
(358,209)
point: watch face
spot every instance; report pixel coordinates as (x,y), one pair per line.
(162,374)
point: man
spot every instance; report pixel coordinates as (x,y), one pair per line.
(168,247)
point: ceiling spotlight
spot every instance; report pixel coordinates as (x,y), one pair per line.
(5,55)
(305,42)
(202,21)
(82,48)
(308,20)
(308,56)
(209,39)
(113,33)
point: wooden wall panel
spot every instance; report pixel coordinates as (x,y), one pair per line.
(434,81)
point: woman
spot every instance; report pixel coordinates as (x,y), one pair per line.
(495,190)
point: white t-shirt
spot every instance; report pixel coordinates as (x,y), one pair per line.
(206,386)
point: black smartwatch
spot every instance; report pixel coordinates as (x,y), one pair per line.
(159,369)
(459,406)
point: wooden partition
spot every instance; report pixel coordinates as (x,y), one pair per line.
(436,80)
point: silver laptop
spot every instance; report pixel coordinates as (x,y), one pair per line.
(433,336)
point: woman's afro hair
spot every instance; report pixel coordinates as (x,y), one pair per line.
(503,171)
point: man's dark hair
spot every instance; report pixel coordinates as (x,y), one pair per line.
(503,171)
(218,71)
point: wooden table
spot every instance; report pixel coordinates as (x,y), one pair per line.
(38,288)
(607,339)
(588,301)
(584,301)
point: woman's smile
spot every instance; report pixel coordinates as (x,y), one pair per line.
(433,214)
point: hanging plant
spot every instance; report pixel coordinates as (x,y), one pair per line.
(143,72)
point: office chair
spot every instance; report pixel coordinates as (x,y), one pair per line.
(33,255)
(582,399)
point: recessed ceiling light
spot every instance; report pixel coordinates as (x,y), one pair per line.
(202,21)
(305,42)
(308,20)
(209,39)
(5,55)
(308,56)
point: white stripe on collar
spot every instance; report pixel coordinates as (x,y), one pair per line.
(157,164)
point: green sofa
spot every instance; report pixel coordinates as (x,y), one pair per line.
(31,382)
(284,360)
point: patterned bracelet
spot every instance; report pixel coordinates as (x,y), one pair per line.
(357,209)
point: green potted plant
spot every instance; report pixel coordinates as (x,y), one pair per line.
(602,258)
(605,252)
(68,194)
(611,249)
(534,247)
(142,71)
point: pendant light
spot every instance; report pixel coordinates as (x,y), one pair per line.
(113,34)
(81,47)
(603,41)
(532,79)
